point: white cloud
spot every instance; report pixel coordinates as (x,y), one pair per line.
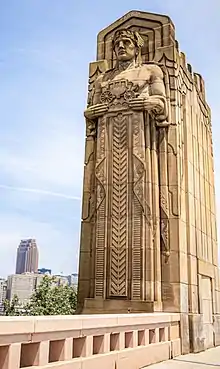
(47,163)
(39,172)
(40,192)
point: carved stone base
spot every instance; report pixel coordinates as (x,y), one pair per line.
(96,306)
(196,333)
(217,330)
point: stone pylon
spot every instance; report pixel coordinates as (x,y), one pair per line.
(148,236)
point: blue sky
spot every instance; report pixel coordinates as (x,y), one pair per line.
(45,49)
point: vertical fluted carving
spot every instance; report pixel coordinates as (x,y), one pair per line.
(119,234)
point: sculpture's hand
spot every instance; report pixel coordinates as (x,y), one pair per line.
(162,123)
(149,103)
(95,111)
(137,103)
(154,104)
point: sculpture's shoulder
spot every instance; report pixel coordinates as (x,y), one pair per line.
(103,77)
(154,70)
(109,74)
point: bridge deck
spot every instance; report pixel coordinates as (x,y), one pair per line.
(209,359)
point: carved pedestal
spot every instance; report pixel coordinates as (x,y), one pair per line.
(124,223)
(126,240)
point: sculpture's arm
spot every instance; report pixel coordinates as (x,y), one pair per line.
(153,97)
(158,95)
(96,109)
(97,91)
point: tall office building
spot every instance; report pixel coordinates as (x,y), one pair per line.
(27,257)
(3,290)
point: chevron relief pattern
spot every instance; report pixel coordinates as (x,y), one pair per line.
(101,211)
(118,250)
(138,208)
(137,249)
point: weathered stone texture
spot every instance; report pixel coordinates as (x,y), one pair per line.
(148,239)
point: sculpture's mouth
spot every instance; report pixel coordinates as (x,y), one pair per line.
(121,52)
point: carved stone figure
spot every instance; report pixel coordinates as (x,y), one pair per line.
(129,84)
(148,236)
(127,108)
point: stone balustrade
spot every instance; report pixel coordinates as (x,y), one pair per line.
(128,341)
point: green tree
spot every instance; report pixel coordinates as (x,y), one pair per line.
(11,307)
(52,299)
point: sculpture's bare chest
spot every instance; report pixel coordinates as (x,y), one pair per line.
(139,76)
(125,85)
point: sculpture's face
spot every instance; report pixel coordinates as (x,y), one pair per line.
(125,49)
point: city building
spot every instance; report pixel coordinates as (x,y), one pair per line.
(44,271)
(70,280)
(73,280)
(22,285)
(61,279)
(3,290)
(27,257)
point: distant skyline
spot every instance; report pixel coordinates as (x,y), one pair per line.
(45,50)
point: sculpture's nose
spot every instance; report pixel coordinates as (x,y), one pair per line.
(121,45)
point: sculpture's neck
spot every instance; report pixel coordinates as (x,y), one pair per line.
(123,65)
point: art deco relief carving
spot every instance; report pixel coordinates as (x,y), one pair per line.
(124,103)
(148,216)
(119,208)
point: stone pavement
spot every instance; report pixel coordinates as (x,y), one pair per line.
(209,359)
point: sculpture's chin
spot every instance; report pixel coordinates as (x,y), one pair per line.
(124,57)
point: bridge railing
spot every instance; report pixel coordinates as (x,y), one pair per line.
(128,341)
